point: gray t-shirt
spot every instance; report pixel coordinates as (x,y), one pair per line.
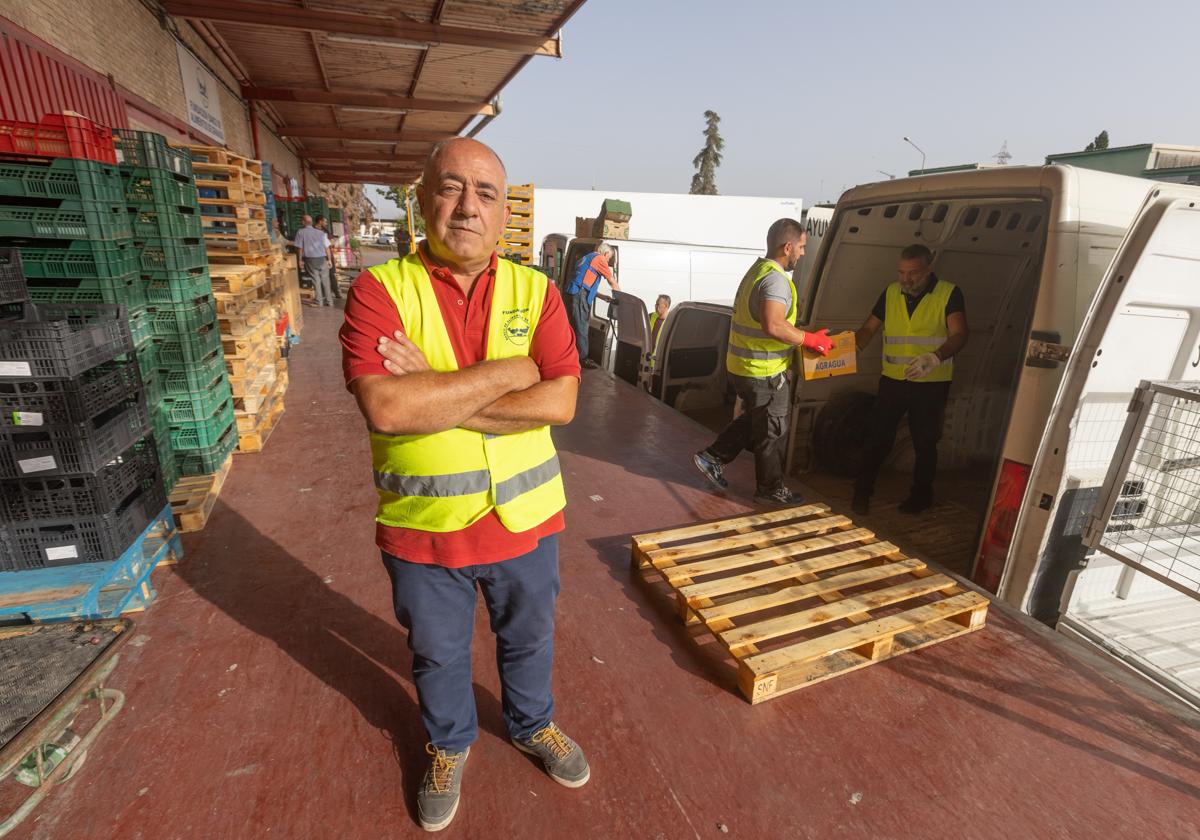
(774,286)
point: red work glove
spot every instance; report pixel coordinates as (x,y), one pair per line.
(818,342)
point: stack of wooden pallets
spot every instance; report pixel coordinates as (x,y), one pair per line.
(517,244)
(232,206)
(247,314)
(801,595)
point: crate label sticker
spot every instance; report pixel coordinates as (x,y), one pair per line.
(120,155)
(42,464)
(28,418)
(62,552)
(15,369)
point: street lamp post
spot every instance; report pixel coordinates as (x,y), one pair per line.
(919,149)
(889,174)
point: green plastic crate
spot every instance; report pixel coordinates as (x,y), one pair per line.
(172,254)
(72,179)
(147,359)
(197,406)
(172,320)
(166,460)
(203,433)
(145,149)
(186,349)
(152,221)
(83,258)
(209,458)
(141,325)
(183,286)
(128,290)
(157,186)
(179,381)
(70,220)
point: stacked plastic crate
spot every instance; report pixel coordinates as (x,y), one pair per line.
(191,404)
(79,475)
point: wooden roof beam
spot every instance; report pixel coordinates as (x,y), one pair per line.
(319,158)
(326,132)
(372,29)
(356,98)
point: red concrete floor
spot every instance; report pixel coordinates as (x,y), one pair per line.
(268,693)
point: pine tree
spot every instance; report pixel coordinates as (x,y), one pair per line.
(1099,144)
(704,182)
(398,196)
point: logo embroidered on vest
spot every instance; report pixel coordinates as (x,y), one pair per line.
(516,326)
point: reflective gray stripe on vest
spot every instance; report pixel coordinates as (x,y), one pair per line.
(748,332)
(531,479)
(435,486)
(759,354)
(922,340)
(904,360)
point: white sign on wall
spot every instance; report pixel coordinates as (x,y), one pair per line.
(202,97)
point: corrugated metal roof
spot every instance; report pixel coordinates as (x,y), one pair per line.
(346,81)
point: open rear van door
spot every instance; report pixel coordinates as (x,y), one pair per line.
(1143,326)
(689,372)
(631,350)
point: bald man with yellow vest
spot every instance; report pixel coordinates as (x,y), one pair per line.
(763,338)
(460,362)
(924,325)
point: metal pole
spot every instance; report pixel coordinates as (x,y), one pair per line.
(919,149)
(254,128)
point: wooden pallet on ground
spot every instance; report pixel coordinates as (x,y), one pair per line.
(256,439)
(798,596)
(194,497)
(246,366)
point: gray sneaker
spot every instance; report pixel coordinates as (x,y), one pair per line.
(712,469)
(437,800)
(561,756)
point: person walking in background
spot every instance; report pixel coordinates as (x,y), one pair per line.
(581,294)
(924,324)
(316,255)
(322,224)
(762,342)
(460,363)
(661,307)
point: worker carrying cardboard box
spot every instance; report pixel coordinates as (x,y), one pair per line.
(461,362)
(924,324)
(763,338)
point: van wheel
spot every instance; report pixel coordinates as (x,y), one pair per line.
(841,431)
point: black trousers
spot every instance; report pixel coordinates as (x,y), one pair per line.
(925,404)
(761,428)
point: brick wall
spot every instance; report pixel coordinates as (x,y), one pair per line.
(123,39)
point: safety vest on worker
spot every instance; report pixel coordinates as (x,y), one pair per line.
(907,336)
(448,480)
(751,351)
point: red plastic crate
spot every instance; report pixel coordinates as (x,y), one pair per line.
(281,324)
(58,135)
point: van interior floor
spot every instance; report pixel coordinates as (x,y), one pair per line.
(947,533)
(269,687)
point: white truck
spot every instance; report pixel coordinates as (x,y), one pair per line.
(1078,286)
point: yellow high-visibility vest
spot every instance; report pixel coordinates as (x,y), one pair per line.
(448,480)
(905,337)
(751,351)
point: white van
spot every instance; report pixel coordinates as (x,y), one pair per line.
(1061,335)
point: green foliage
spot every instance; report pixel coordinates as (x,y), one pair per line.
(1099,144)
(704,182)
(400,195)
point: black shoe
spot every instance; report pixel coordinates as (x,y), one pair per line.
(861,504)
(781,497)
(711,468)
(915,504)
(589,364)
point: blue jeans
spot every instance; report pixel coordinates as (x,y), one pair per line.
(437,607)
(579,311)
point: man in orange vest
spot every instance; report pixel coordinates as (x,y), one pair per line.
(581,294)
(460,362)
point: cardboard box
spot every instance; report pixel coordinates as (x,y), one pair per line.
(584,226)
(606,229)
(841,359)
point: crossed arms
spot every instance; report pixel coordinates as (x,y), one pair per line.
(501,396)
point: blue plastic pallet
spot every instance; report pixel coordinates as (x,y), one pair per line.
(93,590)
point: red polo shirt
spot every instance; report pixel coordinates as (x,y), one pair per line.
(371,313)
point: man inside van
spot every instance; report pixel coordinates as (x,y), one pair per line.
(924,324)
(661,307)
(762,341)
(581,294)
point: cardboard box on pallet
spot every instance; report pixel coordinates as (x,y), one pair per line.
(841,359)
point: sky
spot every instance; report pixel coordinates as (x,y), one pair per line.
(815,98)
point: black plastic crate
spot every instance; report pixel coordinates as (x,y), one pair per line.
(90,539)
(145,149)
(58,402)
(12,277)
(54,341)
(77,449)
(72,496)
